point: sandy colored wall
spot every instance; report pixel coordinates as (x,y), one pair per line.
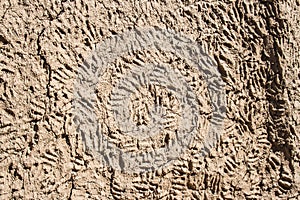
(255,45)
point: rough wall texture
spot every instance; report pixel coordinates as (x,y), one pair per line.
(256,47)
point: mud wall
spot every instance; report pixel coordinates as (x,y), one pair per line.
(255,45)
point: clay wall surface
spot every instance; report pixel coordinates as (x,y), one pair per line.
(254,46)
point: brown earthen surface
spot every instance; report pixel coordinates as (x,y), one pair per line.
(255,45)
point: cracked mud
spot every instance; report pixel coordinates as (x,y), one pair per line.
(255,45)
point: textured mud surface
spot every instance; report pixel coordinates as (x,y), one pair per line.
(256,47)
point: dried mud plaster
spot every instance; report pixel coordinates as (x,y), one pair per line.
(256,47)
